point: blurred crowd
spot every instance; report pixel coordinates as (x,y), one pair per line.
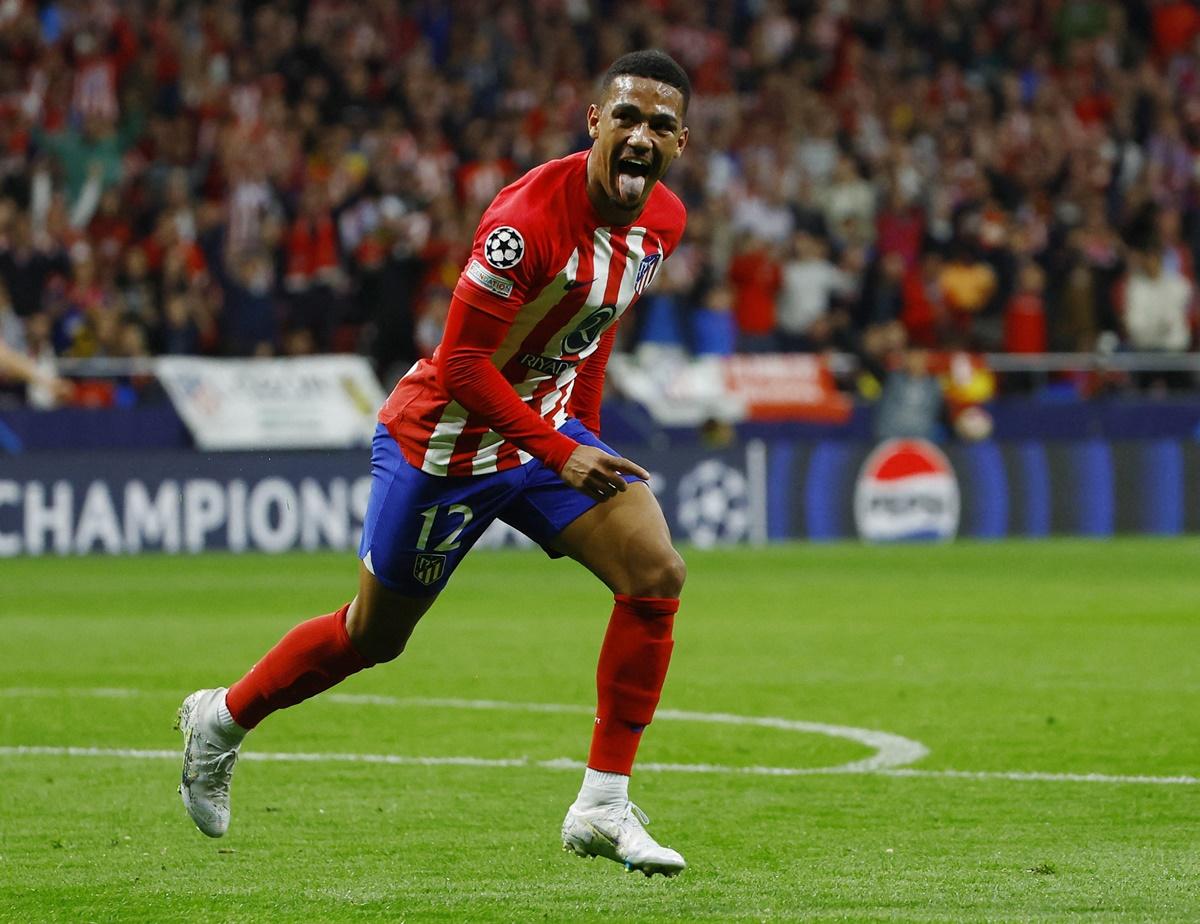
(272,177)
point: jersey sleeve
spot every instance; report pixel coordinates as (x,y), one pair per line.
(508,257)
(466,372)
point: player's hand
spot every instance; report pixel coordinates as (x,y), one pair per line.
(597,474)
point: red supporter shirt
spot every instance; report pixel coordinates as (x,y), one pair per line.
(1025,324)
(546,283)
(756,279)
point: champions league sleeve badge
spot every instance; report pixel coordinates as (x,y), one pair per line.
(504,247)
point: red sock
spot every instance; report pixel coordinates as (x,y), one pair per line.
(310,659)
(629,679)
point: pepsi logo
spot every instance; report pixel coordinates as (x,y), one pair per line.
(906,491)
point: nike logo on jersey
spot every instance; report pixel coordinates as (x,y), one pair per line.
(573,284)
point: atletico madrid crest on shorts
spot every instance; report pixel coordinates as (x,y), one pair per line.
(646,271)
(428,568)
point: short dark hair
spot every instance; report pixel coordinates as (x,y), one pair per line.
(654,64)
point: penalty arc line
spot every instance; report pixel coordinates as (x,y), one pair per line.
(564,763)
(890,750)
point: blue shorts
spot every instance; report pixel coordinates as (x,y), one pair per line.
(418,527)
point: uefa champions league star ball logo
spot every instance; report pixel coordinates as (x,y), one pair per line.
(504,247)
(713,504)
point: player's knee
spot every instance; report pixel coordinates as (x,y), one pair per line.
(661,576)
(674,574)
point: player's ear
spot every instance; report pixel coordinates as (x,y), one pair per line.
(593,121)
(683,140)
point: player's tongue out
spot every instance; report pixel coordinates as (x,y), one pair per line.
(630,186)
(631,179)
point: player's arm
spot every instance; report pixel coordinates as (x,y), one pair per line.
(466,372)
(584,405)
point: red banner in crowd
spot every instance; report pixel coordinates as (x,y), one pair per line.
(786,387)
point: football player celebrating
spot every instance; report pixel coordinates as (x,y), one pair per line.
(503,422)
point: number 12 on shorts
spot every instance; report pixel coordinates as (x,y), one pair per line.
(450,543)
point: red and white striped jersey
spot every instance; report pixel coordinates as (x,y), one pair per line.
(545,263)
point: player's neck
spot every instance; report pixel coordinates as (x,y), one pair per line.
(606,210)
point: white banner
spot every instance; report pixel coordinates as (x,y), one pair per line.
(310,402)
(680,391)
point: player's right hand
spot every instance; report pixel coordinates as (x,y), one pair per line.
(597,474)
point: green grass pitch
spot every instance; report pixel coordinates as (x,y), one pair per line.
(1050,658)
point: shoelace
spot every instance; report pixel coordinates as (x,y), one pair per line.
(631,809)
(220,771)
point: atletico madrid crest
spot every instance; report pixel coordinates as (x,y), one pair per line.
(646,271)
(428,568)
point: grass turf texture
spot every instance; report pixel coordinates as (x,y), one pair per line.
(1057,656)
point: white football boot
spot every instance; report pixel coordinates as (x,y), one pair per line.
(618,833)
(208,758)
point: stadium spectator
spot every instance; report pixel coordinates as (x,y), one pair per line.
(912,404)
(714,329)
(27,260)
(1157,305)
(756,277)
(968,284)
(763,210)
(900,227)
(849,204)
(923,310)
(810,287)
(1025,314)
(250,312)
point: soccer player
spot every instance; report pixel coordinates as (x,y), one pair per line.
(503,422)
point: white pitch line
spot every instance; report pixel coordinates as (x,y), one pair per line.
(890,750)
(51,692)
(893,752)
(1035,776)
(269,757)
(565,763)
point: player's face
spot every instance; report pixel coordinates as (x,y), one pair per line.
(638,128)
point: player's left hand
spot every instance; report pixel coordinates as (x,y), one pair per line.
(597,474)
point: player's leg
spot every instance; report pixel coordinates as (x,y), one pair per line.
(314,656)
(416,530)
(371,629)
(626,544)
